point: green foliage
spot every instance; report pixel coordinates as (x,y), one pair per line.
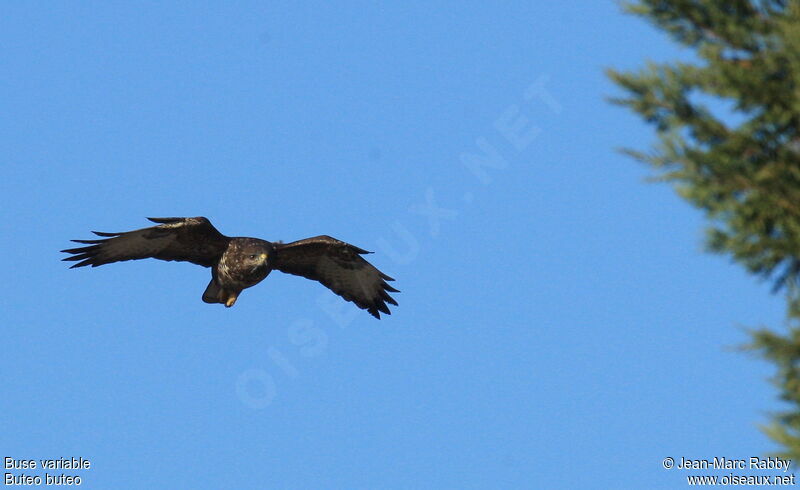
(740,166)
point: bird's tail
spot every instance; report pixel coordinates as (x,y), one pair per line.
(216,294)
(213,293)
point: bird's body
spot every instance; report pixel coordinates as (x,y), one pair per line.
(238,263)
(245,263)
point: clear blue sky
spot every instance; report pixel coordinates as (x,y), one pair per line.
(559,323)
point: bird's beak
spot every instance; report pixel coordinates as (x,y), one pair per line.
(263,257)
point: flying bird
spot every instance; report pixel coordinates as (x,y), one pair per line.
(238,263)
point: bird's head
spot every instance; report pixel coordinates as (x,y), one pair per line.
(256,254)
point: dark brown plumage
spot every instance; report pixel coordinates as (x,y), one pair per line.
(238,263)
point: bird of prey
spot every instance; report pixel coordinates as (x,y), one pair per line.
(238,263)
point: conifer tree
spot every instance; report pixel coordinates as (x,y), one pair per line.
(740,165)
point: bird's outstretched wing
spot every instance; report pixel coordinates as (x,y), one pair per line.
(340,267)
(192,240)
